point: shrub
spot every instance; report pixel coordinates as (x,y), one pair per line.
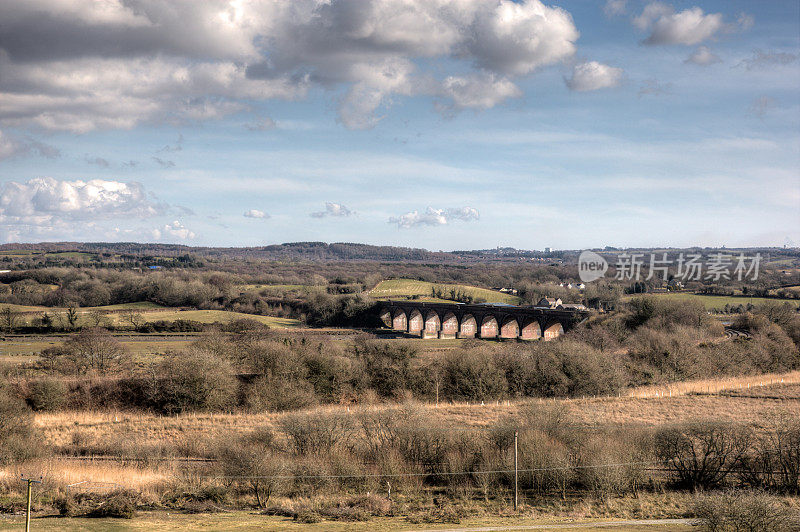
(120,504)
(745,512)
(279,395)
(193,380)
(472,375)
(701,455)
(18,441)
(47,394)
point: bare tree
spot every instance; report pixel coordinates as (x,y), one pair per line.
(9,319)
(72,317)
(133,316)
(97,317)
(95,349)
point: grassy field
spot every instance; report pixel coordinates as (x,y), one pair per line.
(125,432)
(152,312)
(719,302)
(139,305)
(400,288)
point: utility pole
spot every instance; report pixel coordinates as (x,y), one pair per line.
(28,513)
(516,471)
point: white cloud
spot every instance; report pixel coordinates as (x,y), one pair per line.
(44,201)
(176,230)
(690,26)
(83,65)
(255,213)
(593,76)
(703,56)
(332,209)
(435,217)
(480,92)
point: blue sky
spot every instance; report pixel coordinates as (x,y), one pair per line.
(497,125)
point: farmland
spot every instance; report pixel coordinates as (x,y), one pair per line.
(407,288)
(712,302)
(148,312)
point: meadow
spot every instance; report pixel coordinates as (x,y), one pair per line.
(395,288)
(156,455)
(718,302)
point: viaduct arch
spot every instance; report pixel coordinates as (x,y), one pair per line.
(455,320)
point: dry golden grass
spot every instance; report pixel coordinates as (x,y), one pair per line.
(712,386)
(194,428)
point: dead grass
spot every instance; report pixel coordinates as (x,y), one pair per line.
(149,429)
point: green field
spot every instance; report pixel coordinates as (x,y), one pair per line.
(399,288)
(149,312)
(211,316)
(719,302)
(20,351)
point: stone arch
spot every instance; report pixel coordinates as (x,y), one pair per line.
(386,317)
(432,324)
(489,327)
(399,321)
(468,327)
(510,328)
(415,321)
(449,325)
(531,330)
(553,330)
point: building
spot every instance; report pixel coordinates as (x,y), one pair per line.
(549,302)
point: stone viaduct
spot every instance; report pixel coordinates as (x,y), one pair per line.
(455,320)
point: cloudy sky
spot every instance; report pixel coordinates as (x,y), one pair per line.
(444,124)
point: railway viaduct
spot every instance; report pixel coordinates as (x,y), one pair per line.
(454,320)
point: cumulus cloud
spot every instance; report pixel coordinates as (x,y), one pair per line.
(44,201)
(479,91)
(255,213)
(175,230)
(332,209)
(435,217)
(592,76)
(762,59)
(689,27)
(703,56)
(84,65)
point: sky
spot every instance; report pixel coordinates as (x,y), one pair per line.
(440,124)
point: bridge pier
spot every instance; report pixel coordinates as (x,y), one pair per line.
(453,320)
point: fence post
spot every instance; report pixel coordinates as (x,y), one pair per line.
(28,512)
(516,471)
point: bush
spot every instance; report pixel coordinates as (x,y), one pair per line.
(701,455)
(279,395)
(47,394)
(745,512)
(18,441)
(472,375)
(119,504)
(193,380)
